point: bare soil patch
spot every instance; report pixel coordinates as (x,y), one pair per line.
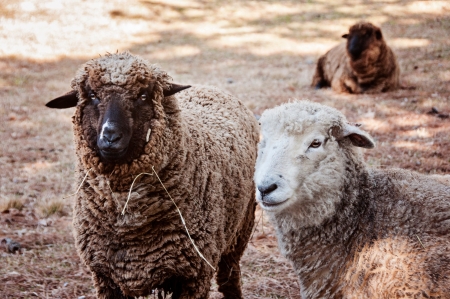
(264,52)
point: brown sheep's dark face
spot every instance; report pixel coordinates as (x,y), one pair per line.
(115,122)
(362,37)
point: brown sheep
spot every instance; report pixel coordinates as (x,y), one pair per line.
(364,64)
(130,119)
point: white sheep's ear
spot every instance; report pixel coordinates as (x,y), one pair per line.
(174,88)
(357,136)
(68,100)
(345,36)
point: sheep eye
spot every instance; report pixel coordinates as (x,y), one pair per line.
(143,97)
(315,144)
(92,96)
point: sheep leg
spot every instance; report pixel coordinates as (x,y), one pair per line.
(319,76)
(229,274)
(172,285)
(350,85)
(193,289)
(106,288)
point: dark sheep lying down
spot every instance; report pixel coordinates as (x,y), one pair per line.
(201,143)
(364,64)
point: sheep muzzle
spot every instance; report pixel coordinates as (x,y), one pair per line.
(114,132)
(356,44)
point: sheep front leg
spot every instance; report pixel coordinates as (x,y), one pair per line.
(193,289)
(229,277)
(375,88)
(106,288)
(351,85)
(229,274)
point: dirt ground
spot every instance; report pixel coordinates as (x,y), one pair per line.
(264,52)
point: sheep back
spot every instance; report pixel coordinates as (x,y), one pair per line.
(404,246)
(389,237)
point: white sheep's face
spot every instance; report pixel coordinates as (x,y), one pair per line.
(300,162)
(284,161)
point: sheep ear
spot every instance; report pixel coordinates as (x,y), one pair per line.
(357,136)
(345,35)
(378,34)
(68,100)
(173,89)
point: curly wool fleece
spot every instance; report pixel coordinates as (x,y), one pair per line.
(376,71)
(203,147)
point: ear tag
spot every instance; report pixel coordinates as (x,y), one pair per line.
(148,135)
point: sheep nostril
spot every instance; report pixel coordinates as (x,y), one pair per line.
(267,189)
(111,136)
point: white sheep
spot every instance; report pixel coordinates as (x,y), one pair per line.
(350,231)
(201,143)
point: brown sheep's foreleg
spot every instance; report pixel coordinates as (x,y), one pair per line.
(374,88)
(229,274)
(106,288)
(228,277)
(350,85)
(194,289)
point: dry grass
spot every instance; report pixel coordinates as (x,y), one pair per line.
(13,203)
(262,51)
(52,207)
(47,265)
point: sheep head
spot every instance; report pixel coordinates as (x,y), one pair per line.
(364,41)
(301,158)
(118,95)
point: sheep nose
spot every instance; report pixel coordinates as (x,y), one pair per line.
(111,135)
(267,189)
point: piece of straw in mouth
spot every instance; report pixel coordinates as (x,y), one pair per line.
(79,187)
(420,241)
(131,188)
(178,210)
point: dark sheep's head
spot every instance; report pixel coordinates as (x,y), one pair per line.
(118,96)
(362,38)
